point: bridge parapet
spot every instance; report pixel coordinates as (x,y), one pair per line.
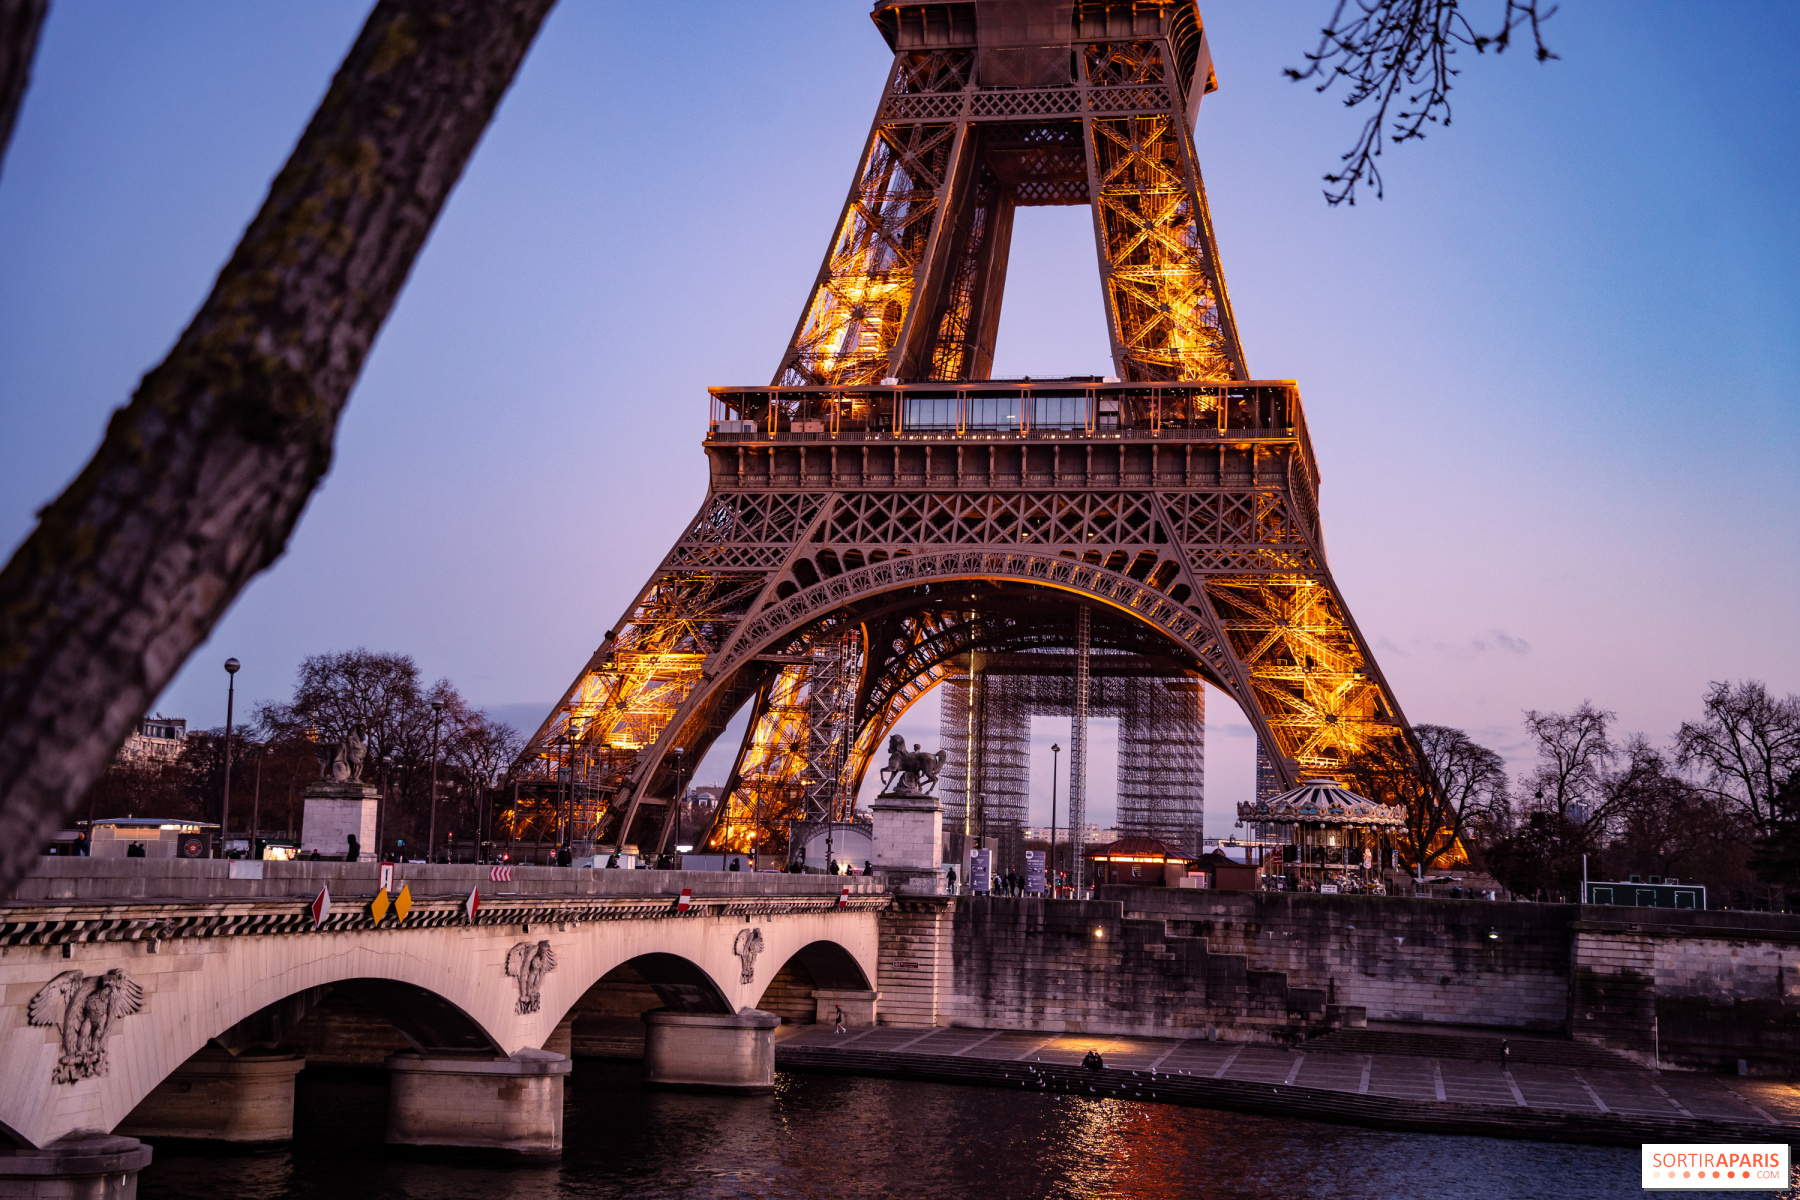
(131,880)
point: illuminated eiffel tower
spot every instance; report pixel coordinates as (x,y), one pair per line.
(884,507)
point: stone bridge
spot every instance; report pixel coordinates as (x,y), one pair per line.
(162,997)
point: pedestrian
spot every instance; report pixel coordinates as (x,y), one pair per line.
(353,852)
(951,873)
(833,868)
(868,867)
(737,864)
(135,850)
(612,860)
(839,1026)
(1505,1054)
(81,846)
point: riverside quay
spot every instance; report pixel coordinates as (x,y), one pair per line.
(165,998)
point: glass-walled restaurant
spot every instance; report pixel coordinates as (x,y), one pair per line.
(1049,407)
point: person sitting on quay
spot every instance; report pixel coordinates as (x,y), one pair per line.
(1093,1062)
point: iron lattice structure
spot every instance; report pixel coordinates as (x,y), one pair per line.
(883,492)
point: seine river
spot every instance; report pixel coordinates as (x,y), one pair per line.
(834,1137)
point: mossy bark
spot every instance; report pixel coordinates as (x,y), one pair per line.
(201,477)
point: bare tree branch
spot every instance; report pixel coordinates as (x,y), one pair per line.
(201,478)
(21,21)
(1383,48)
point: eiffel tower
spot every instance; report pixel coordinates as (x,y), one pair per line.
(884,507)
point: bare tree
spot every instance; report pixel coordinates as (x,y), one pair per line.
(1388,772)
(201,478)
(21,23)
(1392,52)
(1471,778)
(1575,753)
(1746,746)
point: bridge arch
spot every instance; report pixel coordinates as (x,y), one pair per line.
(1153,593)
(816,966)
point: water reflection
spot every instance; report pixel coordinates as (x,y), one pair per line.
(835,1138)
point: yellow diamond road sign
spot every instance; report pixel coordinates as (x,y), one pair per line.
(379,905)
(403,902)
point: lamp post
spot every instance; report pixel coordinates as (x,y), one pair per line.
(1055,752)
(256,800)
(680,753)
(231,670)
(381,805)
(437,721)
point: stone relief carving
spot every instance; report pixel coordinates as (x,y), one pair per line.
(342,761)
(749,944)
(528,963)
(84,1007)
(913,774)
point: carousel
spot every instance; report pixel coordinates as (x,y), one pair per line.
(1330,838)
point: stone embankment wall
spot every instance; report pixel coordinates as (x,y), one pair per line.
(1702,990)
(1460,962)
(1699,990)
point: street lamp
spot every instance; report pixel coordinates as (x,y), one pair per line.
(437,721)
(231,670)
(1055,752)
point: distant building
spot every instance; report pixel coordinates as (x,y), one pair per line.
(1268,784)
(156,740)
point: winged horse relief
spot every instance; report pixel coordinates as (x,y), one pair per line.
(84,1008)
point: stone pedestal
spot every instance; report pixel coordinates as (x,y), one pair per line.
(333,812)
(858,1006)
(80,1167)
(216,1097)
(909,838)
(710,1052)
(511,1106)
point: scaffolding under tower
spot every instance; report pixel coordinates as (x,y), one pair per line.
(985,728)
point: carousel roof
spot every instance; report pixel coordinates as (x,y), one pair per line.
(1322,802)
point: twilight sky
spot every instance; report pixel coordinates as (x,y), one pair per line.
(1549,379)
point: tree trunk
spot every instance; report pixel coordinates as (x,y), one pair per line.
(21,21)
(201,478)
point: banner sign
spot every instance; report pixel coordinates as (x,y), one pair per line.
(1034,872)
(981,876)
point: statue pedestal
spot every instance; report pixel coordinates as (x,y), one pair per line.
(333,812)
(909,836)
